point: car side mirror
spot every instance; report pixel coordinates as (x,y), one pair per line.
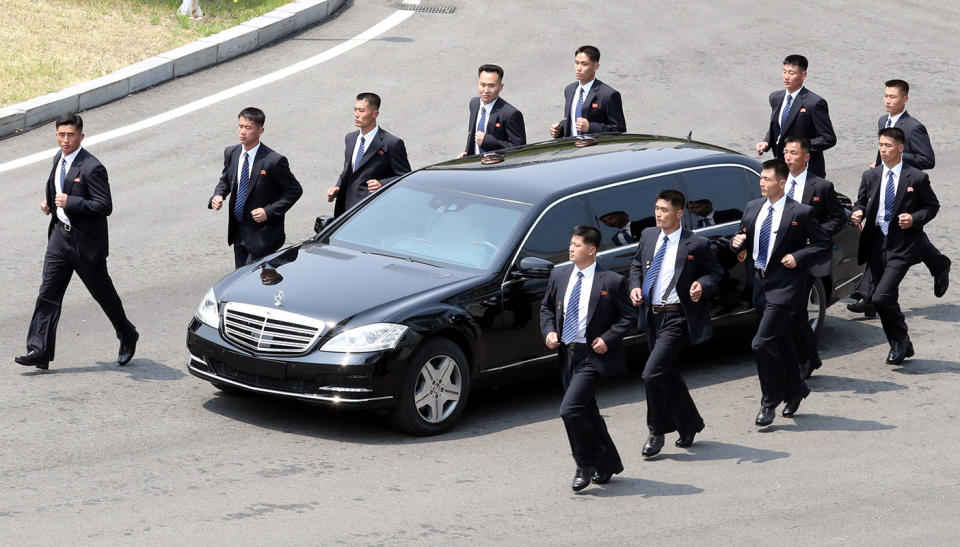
(321,223)
(533,267)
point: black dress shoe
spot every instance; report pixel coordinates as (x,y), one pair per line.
(33,359)
(604,477)
(652,446)
(899,351)
(582,478)
(793,405)
(864,307)
(940,283)
(765,416)
(685,441)
(127,348)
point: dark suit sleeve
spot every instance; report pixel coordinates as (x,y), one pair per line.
(711,268)
(819,245)
(223,187)
(921,155)
(347,153)
(863,193)
(836,216)
(291,188)
(766,138)
(398,160)
(616,122)
(636,269)
(548,316)
(929,204)
(516,134)
(627,315)
(100,203)
(825,137)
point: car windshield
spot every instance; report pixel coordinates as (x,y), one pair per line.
(438,226)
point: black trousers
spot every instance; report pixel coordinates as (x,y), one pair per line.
(669,404)
(935,261)
(63,257)
(886,292)
(774,352)
(804,342)
(587,432)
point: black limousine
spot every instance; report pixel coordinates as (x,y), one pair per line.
(432,286)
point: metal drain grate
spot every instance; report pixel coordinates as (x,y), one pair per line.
(427,7)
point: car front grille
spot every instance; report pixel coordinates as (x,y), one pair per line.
(267,330)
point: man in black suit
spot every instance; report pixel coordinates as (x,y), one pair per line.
(585,313)
(494,123)
(917,153)
(780,241)
(590,106)
(797,111)
(703,208)
(372,157)
(894,203)
(672,277)
(819,194)
(78,200)
(261,189)
(628,231)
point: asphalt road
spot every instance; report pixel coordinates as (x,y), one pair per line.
(94,453)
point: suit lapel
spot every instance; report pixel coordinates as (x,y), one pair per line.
(73,172)
(592,96)
(789,210)
(257,167)
(563,279)
(371,149)
(794,109)
(750,218)
(905,181)
(494,115)
(681,260)
(474,108)
(807,191)
(595,289)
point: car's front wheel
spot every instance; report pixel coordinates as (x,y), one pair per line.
(435,388)
(817,306)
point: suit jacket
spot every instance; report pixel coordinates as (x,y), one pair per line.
(809,117)
(602,107)
(695,262)
(384,159)
(272,186)
(914,196)
(609,315)
(917,150)
(505,127)
(820,195)
(798,234)
(88,203)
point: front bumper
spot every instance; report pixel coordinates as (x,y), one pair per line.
(360,380)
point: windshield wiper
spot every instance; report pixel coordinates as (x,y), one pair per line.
(407,258)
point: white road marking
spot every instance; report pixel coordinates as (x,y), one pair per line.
(388,23)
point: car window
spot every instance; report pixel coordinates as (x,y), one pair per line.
(550,238)
(623,211)
(715,195)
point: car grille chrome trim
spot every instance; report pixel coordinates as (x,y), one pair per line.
(267,330)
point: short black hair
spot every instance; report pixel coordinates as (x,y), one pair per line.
(796,60)
(255,115)
(490,68)
(894,133)
(372,99)
(71,119)
(802,141)
(674,197)
(902,85)
(779,167)
(590,235)
(590,51)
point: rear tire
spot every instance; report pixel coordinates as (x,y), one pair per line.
(434,389)
(817,306)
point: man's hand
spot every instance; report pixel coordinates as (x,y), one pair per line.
(216,202)
(45,207)
(259,215)
(762,147)
(332,193)
(738,240)
(636,297)
(583,125)
(599,346)
(462,155)
(555,130)
(857,216)
(696,291)
(906,220)
(552,341)
(478,137)
(788,261)
(373,185)
(60,200)
(872,165)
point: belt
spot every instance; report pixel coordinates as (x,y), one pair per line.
(760,272)
(665,307)
(576,346)
(63,224)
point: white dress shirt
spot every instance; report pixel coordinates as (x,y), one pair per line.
(665,276)
(489,108)
(585,287)
(893,119)
(367,139)
(774,228)
(251,154)
(882,209)
(801,181)
(573,105)
(793,103)
(58,183)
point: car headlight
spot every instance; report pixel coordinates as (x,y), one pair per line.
(208,311)
(375,337)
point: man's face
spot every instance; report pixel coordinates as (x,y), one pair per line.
(68,139)
(585,68)
(771,187)
(364,115)
(793,77)
(580,252)
(668,217)
(701,207)
(615,220)
(894,100)
(489,86)
(890,150)
(795,157)
(249,132)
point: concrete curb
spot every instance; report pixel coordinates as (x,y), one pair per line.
(232,42)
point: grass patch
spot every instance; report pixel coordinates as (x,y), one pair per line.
(58,43)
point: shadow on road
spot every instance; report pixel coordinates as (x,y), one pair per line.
(853,336)
(630,486)
(949,313)
(713,450)
(925,366)
(819,422)
(832,384)
(140,370)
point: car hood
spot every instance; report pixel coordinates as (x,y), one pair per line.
(334,284)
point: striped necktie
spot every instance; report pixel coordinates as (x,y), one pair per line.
(481,125)
(653,272)
(242,189)
(571,319)
(765,230)
(359,153)
(579,113)
(889,196)
(786,111)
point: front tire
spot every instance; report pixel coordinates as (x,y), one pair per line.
(817,306)
(434,390)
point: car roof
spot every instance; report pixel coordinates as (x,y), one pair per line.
(543,171)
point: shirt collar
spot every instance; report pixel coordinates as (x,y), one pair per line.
(896,170)
(73,155)
(801,178)
(587,86)
(587,272)
(778,206)
(252,152)
(489,106)
(368,136)
(895,119)
(672,238)
(794,94)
